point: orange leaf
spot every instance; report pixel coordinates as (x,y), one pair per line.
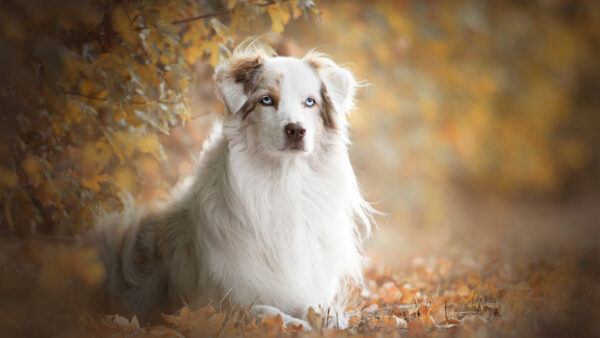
(279,17)
(123,25)
(94,182)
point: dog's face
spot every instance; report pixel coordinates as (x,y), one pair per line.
(285,105)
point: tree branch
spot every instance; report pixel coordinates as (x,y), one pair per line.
(106,98)
(210,15)
(86,96)
(203,16)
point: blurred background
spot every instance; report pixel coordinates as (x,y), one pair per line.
(476,133)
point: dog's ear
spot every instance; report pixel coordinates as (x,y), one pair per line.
(339,84)
(235,79)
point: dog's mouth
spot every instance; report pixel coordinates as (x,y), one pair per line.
(294,147)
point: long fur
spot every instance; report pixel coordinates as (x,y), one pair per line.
(260,228)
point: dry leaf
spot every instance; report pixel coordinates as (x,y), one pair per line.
(315,319)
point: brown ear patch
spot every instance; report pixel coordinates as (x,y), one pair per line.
(314,60)
(314,63)
(246,109)
(327,109)
(244,71)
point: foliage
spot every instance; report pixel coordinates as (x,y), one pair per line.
(489,97)
(87,87)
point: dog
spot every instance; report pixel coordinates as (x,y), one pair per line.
(273,216)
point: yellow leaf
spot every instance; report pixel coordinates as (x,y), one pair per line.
(122,24)
(192,54)
(130,143)
(239,21)
(126,178)
(31,165)
(150,169)
(8,178)
(195,34)
(94,183)
(292,7)
(213,48)
(88,87)
(74,68)
(279,17)
(148,144)
(219,27)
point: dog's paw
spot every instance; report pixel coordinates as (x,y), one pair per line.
(270,311)
(293,321)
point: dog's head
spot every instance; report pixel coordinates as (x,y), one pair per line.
(285,105)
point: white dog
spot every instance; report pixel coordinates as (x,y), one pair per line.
(273,215)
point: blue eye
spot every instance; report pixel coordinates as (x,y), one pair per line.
(266,100)
(309,102)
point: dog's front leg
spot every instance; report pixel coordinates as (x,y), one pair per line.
(270,311)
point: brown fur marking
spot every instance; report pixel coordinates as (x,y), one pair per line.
(246,108)
(275,95)
(245,71)
(252,101)
(314,63)
(326,109)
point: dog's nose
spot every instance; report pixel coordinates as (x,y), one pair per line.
(294,131)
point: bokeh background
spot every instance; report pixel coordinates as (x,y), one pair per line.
(476,134)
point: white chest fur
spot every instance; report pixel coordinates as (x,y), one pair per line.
(277,235)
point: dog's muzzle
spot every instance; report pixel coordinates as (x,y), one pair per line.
(295,136)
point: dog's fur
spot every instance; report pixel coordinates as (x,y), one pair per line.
(264,220)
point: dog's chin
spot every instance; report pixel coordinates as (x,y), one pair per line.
(296,147)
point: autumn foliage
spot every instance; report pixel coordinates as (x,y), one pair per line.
(476,132)
(87,88)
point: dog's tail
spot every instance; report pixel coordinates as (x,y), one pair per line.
(131,278)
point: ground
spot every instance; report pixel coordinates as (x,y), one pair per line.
(510,270)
